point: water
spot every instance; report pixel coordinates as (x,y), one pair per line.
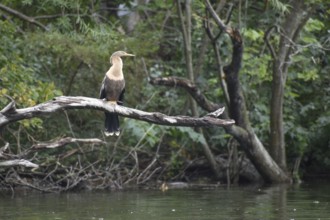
(239,203)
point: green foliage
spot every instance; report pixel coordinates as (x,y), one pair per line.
(189,133)
(303,93)
(280,6)
(148,135)
(18,77)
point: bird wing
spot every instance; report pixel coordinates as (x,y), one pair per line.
(121,97)
(102,90)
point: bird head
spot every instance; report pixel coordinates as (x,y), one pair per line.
(120,54)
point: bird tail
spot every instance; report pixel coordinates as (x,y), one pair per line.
(111,124)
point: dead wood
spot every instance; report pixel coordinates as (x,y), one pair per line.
(10,114)
(18,162)
(54,174)
(67,140)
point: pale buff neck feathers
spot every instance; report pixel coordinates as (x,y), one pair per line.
(116,70)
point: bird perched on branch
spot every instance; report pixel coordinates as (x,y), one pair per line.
(112,91)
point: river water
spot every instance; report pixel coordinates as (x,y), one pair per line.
(306,201)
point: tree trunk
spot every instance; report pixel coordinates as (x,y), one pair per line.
(292,26)
(277,149)
(186,32)
(251,144)
(258,155)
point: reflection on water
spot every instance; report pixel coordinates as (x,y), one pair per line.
(277,202)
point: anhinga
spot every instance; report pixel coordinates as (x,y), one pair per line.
(112,90)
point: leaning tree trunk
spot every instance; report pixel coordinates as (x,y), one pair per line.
(243,132)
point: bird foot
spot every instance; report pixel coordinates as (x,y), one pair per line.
(112,102)
(107,133)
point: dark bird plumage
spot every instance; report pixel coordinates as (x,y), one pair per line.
(112,91)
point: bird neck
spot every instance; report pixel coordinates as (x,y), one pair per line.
(116,70)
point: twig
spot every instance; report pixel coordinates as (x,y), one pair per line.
(208,29)
(3,149)
(155,159)
(269,45)
(10,107)
(219,22)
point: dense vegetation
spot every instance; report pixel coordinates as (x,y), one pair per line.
(51,48)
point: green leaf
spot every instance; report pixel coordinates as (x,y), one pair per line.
(313,25)
(27,2)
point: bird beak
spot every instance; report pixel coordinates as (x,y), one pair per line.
(129,55)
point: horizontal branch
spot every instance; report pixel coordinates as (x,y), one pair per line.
(79,102)
(202,101)
(65,141)
(18,162)
(190,87)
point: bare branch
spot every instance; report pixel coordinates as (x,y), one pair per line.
(80,102)
(3,149)
(269,45)
(190,87)
(22,16)
(216,18)
(18,162)
(65,141)
(208,29)
(207,105)
(217,113)
(10,107)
